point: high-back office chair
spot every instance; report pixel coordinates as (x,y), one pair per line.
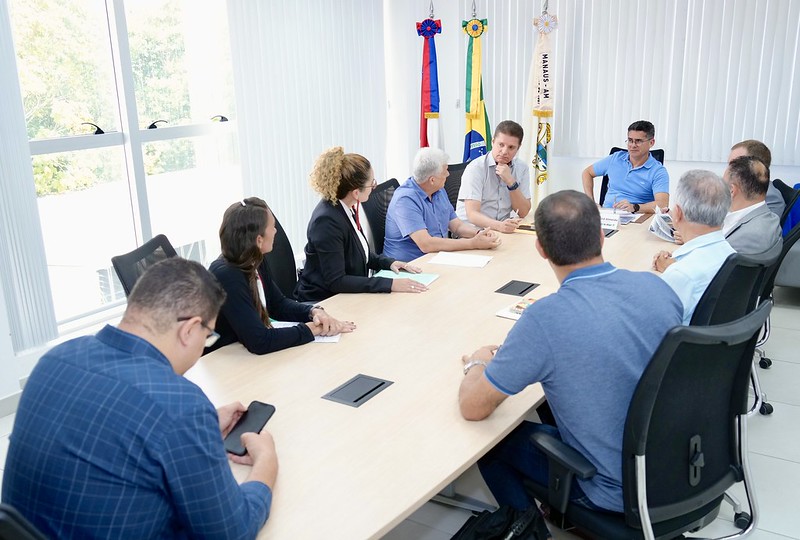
(453,183)
(280,262)
(375,208)
(15,527)
(734,292)
(676,464)
(657,153)
(789,195)
(131,266)
(769,285)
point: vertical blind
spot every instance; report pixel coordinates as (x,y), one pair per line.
(706,73)
(308,76)
(23,271)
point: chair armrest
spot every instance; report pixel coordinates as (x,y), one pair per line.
(564,463)
(564,455)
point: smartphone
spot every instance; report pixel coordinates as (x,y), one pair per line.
(252,421)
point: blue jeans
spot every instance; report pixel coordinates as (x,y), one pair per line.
(514,458)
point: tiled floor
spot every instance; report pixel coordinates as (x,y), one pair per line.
(774,451)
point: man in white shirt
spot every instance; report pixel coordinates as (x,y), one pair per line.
(750,227)
(496,184)
(699,206)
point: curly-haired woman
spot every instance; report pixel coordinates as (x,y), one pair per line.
(338,258)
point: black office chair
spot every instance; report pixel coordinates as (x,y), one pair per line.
(735,289)
(375,208)
(789,195)
(280,262)
(676,463)
(733,293)
(131,266)
(657,153)
(453,183)
(766,293)
(15,527)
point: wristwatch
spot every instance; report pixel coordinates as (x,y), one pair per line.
(513,186)
(472,363)
(636,207)
(311,312)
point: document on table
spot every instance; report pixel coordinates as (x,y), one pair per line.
(459,259)
(317,339)
(624,217)
(425,279)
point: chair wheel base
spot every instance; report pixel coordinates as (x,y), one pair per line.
(765,363)
(766,408)
(741,520)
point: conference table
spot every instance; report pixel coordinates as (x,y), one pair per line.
(354,473)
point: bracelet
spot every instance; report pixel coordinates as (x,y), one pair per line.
(513,186)
(472,363)
(311,314)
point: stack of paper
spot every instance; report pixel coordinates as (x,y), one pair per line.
(459,259)
(317,339)
(425,279)
(514,312)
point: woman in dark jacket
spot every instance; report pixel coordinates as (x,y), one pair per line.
(338,258)
(246,235)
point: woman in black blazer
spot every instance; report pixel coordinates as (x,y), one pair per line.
(252,298)
(338,258)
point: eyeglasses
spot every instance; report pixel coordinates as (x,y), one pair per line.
(373,185)
(636,142)
(210,338)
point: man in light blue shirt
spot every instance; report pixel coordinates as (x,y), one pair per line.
(420,215)
(700,204)
(497,184)
(637,182)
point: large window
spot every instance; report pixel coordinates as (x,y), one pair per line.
(94,76)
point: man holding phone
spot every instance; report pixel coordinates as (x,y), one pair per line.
(110,440)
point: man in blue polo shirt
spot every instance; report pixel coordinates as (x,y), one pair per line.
(420,214)
(637,182)
(585,344)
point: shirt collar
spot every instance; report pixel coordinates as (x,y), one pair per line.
(419,191)
(646,165)
(589,272)
(699,242)
(735,217)
(129,343)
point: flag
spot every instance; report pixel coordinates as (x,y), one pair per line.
(539,100)
(476,140)
(429,102)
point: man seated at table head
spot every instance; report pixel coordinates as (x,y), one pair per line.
(700,204)
(420,215)
(111,441)
(758,149)
(637,182)
(497,183)
(585,344)
(750,228)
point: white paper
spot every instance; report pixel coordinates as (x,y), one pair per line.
(661,226)
(624,217)
(317,339)
(459,259)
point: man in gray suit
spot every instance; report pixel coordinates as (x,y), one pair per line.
(759,150)
(750,227)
